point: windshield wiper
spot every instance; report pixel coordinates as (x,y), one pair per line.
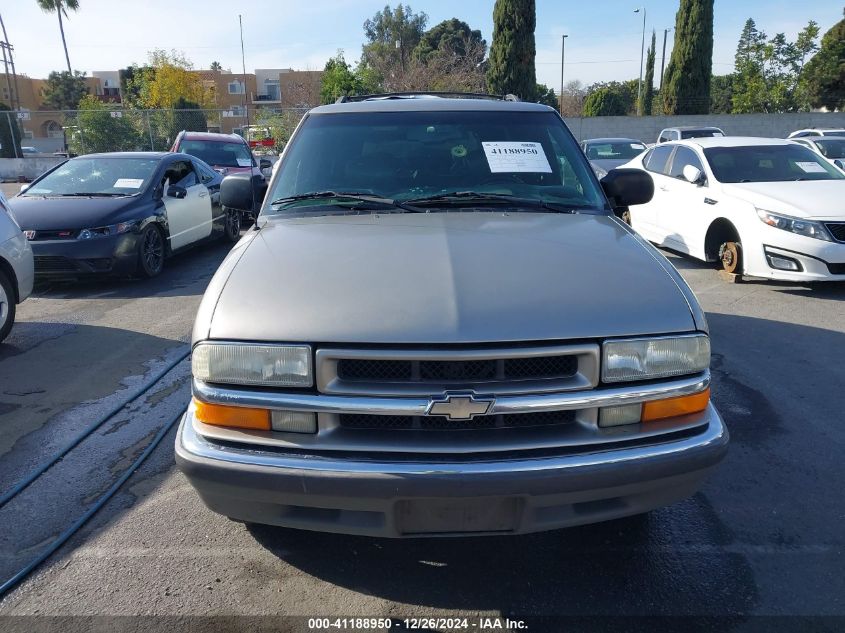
(91,194)
(361,197)
(469,198)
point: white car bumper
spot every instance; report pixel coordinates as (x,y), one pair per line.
(815,260)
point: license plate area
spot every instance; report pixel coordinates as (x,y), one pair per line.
(458,515)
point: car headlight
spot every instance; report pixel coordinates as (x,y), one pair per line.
(252,364)
(105,231)
(799,226)
(646,358)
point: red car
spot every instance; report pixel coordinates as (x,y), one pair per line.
(227,154)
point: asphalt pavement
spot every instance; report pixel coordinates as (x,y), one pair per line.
(764,536)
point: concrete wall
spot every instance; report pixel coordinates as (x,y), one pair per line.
(29,168)
(647,128)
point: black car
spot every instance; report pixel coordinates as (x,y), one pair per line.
(121,213)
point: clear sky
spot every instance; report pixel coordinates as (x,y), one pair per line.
(603,43)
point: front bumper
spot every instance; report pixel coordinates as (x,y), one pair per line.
(116,255)
(478,494)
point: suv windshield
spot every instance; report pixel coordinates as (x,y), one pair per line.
(217,153)
(96,176)
(411,155)
(769,163)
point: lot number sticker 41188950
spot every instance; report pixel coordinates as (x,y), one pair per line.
(508,157)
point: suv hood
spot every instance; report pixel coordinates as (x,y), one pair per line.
(453,277)
(804,199)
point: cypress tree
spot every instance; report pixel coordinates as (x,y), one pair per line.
(687,79)
(511,64)
(648,87)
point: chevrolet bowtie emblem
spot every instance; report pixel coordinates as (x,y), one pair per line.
(460,407)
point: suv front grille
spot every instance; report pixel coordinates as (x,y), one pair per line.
(837,229)
(442,423)
(446,371)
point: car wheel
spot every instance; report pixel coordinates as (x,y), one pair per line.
(151,252)
(232,226)
(730,256)
(7,305)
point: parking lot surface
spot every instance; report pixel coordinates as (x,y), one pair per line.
(763,537)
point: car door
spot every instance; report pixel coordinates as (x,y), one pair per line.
(187,204)
(644,216)
(683,216)
(211,180)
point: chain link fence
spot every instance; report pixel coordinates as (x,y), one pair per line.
(110,128)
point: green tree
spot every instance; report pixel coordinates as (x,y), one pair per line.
(625,94)
(101,127)
(338,80)
(392,35)
(547,96)
(64,90)
(768,71)
(10,133)
(604,102)
(686,87)
(823,77)
(60,7)
(216,66)
(648,87)
(454,37)
(721,94)
(510,69)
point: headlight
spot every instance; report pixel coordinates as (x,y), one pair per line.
(105,231)
(248,364)
(795,225)
(643,358)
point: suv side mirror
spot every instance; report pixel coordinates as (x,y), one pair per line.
(264,164)
(237,191)
(840,162)
(626,187)
(175,191)
(693,175)
(24,187)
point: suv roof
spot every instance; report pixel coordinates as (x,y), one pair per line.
(430,103)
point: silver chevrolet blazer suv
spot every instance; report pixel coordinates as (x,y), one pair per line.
(439,326)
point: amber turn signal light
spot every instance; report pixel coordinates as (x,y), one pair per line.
(235,417)
(671,407)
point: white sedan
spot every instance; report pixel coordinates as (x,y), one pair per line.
(761,207)
(832,148)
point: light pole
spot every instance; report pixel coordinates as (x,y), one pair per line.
(663,59)
(642,50)
(562,51)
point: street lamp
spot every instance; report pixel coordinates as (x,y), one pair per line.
(562,50)
(642,50)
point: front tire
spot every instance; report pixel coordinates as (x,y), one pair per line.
(730,257)
(150,252)
(232,226)
(7,306)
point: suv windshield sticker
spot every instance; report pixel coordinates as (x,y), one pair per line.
(810,167)
(244,162)
(516,157)
(128,183)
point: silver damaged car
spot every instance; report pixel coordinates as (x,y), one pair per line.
(439,326)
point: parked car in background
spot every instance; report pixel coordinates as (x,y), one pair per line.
(813,131)
(605,154)
(28,150)
(761,207)
(439,327)
(121,213)
(227,154)
(685,132)
(16,267)
(832,148)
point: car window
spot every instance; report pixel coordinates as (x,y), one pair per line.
(831,147)
(832,133)
(657,159)
(404,155)
(684,156)
(206,173)
(769,163)
(181,174)
(700,134)
(614,150)
(96,175)
(219,154)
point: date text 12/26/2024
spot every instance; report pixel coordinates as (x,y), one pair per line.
(482,624)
